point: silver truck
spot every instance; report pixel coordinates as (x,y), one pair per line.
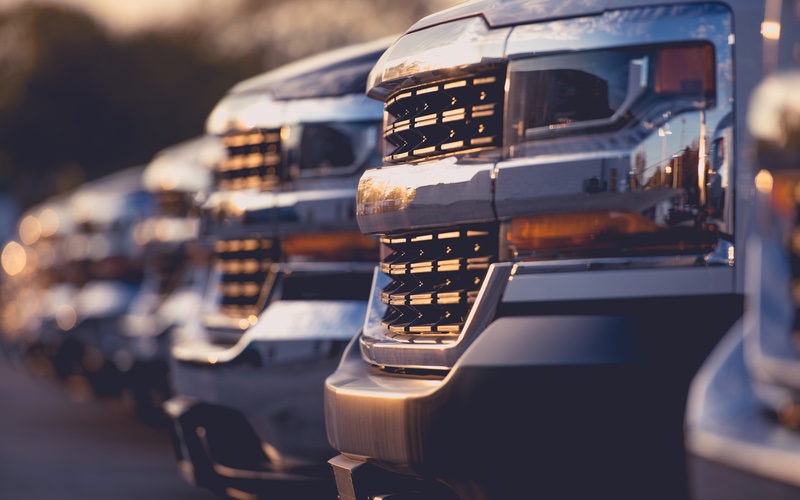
(175,271)
(559,251)
(107,268)
(39,279)
(291,278)
(742,415)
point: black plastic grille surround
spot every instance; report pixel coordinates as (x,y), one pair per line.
(244,266)
(253,160)
(444,118)
(436,276)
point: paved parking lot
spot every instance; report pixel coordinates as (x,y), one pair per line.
(63,444)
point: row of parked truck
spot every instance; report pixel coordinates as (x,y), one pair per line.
(539,249)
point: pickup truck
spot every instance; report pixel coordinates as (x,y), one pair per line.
(742,413)
(290,282)
(176,270)
(561,249)
(38,279)
(106,269)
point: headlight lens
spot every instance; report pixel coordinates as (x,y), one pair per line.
(331,246)
(603,233)
(618,99)
(335,148)
(610,89)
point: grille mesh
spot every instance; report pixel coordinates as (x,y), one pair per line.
(436,276)
(445,118)
(244,266)
(253,160)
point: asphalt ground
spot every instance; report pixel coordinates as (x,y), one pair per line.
(58,442)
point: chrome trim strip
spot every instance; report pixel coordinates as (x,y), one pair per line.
(618,284)
(457,45)
(734,430)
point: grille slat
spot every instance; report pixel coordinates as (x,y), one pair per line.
(253,160)
(244,266)
(435,278)
(445,118)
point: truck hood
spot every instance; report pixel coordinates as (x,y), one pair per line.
(498,13)
(333,73)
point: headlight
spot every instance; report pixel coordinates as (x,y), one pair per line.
(330,246)
(606,233)
(616,105)
(333,148)
(559,95)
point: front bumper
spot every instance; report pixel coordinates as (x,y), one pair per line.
(562,400)
(737,450)
(217,448)
(250,416)
(146,382)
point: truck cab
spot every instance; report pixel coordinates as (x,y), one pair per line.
(559,251)
(290,280)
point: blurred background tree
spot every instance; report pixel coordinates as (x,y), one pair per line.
(79,100)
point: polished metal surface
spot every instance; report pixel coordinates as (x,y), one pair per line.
(291,274)
(435,278)
(445,118)
(666,156)
(382,347)
(397,198)
(459,48)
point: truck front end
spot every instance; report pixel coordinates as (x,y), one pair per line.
(742,414)
(110,270)
(176,270)
(558,217)
(291,278)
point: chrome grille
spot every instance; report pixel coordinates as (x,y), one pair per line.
(253,160)
(244,266)
(436,276)
(445,118)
